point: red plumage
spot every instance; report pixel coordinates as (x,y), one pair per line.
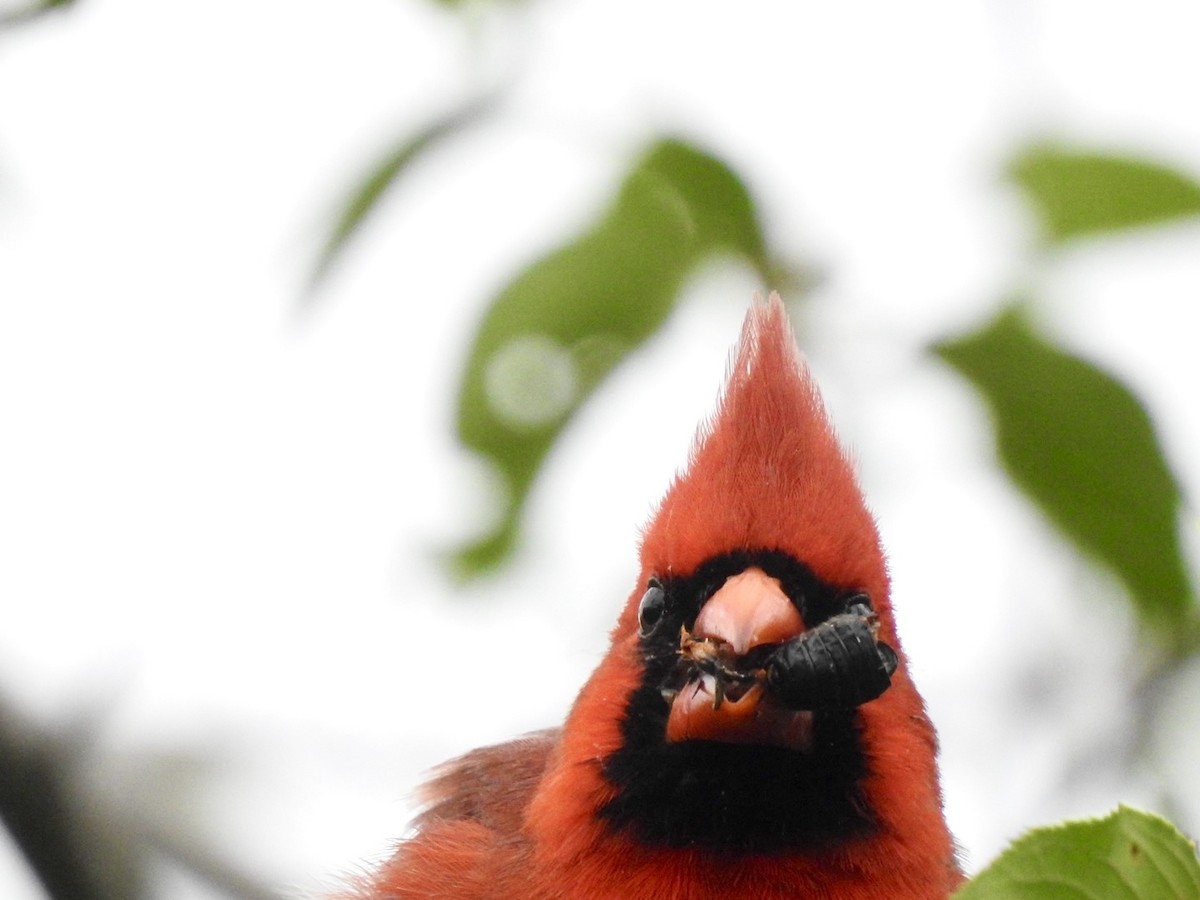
(839,803)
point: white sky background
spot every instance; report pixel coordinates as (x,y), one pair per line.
(219,520)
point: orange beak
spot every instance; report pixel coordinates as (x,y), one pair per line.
(750,610)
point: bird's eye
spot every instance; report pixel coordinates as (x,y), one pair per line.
(650,610)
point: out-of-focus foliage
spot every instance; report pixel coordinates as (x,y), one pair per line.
(363,200)
(1081,446)
(1128,854)
(613,287)
(32,11)
(1076,193)
(468,4)
(564,322)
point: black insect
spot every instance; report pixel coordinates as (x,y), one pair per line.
(838,664)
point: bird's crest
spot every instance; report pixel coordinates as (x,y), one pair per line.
(767,473)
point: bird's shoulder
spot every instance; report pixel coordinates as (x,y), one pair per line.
(467,843)
(490,785)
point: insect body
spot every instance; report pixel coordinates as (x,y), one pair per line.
(836,665)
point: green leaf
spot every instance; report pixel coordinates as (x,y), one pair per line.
(567,320)
(1083,448)
(24,14)
(363,200)
(1128,855)
(477,6)
(1076,193)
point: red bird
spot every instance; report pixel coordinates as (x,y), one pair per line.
(752,731)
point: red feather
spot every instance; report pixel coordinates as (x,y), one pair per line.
(533,819)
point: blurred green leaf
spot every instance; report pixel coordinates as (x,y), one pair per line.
(363,200)
(471,5)
(566,321)
(32,11)
(1128,855)
(1083,448)
(1076,193)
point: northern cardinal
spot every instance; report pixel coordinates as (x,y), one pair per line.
(752,731)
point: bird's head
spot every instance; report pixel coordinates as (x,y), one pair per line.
(755,696)
(761,540)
